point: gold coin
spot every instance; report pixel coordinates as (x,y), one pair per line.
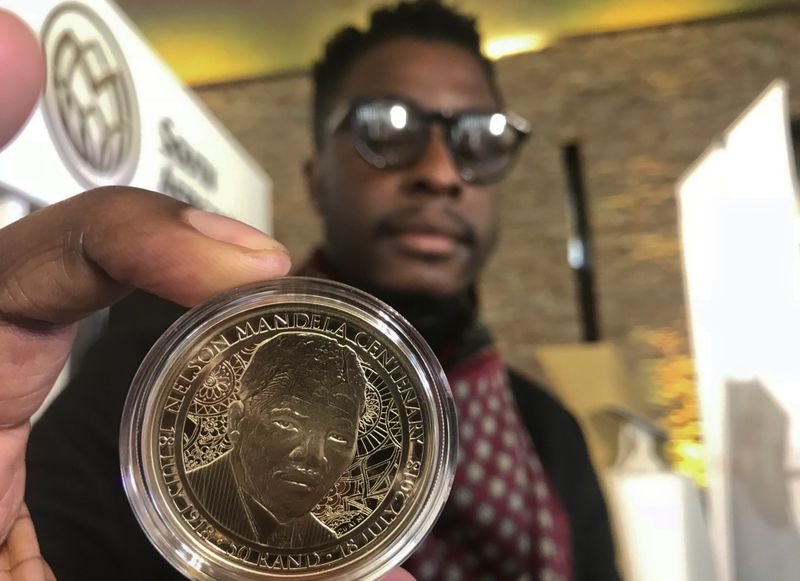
(294,429)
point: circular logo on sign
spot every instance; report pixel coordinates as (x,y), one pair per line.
(90,101)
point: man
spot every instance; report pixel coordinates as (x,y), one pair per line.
(293,431)
(411,140)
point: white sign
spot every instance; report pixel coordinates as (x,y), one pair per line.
(113,113)
(739,227)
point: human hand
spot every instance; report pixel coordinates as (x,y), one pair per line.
(62,263)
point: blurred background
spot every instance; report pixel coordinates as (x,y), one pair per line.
(632,90)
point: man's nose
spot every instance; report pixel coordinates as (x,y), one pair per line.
(435,173)
(311,449)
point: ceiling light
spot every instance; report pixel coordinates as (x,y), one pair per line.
(501,46)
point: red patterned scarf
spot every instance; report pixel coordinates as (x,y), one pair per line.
(503,519)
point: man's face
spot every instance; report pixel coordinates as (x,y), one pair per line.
(419,229)
(293,448)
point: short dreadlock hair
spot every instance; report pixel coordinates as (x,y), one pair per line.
(420,19)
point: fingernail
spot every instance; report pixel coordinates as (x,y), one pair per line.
(230,231)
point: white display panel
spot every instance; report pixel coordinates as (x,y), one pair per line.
(113,113)
(738,211)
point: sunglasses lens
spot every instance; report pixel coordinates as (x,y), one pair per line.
(389,134)
(484,145)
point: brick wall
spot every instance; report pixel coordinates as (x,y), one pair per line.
(642,104)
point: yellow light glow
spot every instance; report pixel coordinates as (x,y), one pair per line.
(219,40)
(219,57)
(634,13)
(501,46)
(671,371)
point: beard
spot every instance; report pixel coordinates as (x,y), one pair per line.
(438,319)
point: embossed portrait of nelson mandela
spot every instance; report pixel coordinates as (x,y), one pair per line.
(293,429)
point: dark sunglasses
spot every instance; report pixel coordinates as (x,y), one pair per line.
(392,133)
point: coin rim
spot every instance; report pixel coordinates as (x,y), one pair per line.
(181,547)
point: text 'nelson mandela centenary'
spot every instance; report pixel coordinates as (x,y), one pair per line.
(291,439)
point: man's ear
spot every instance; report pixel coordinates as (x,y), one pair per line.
(235,415)
(311,176)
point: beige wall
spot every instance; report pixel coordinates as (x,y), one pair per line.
(643,104)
